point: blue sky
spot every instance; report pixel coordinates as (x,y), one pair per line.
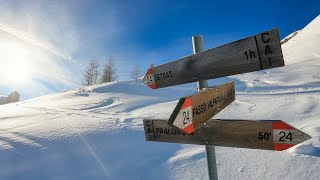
(44,45)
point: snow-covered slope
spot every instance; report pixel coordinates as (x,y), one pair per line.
(287,38)
(96,132)
(305,45)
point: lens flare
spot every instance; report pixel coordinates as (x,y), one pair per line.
(15,63)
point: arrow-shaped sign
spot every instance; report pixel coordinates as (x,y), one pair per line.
(263,134)
(261,51)
(192,111)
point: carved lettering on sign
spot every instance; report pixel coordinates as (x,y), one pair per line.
(250,54)
(264,38)
(215,101)
(267,50)
(164,75)
(246,55)
(254,134)
(199,110)
(170,131)
(231,92)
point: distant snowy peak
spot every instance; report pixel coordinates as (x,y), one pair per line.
(304,46)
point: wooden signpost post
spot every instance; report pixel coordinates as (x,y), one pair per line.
(190,121)
(258,52)
(192,111)
(260,134)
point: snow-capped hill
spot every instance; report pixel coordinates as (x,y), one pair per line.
(305,45)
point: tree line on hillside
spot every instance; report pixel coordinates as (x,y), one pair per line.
(92,74)
(11,98)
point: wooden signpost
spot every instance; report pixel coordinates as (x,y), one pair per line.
(192,111)
(261,134)
(190,121)
(258,52)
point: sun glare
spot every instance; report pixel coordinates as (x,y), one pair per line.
(15,63)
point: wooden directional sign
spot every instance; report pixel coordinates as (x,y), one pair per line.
(192,111)
(261,51)
(265,134)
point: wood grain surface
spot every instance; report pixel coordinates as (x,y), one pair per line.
(258,52)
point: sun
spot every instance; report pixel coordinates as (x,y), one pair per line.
(15,63)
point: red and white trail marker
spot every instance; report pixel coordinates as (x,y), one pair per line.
(286,136)
(192,111)
(149,79)
(254,53)
(253,134)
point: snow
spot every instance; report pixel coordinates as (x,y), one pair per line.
(305,45)
(96,132)
(287,38)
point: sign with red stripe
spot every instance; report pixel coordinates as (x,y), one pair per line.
(149,79)
(254,53)
(283,136)
(192,111)
(253,134)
